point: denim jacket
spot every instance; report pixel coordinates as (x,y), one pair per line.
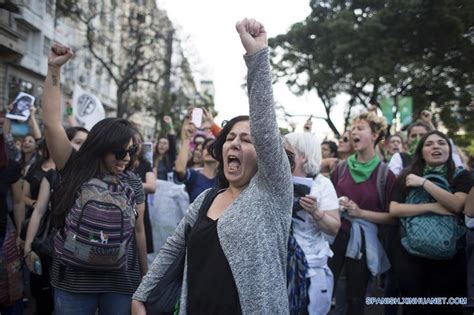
(377,260)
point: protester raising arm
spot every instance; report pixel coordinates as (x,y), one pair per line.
(272,161)
(35,129)
(182,159)
(58,143)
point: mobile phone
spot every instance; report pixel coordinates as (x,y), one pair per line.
(197,117)
(37,267)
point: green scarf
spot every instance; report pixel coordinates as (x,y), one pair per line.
(412,147)
(438,170)
(361,172)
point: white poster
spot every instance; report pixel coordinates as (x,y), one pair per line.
(87,108)
(21,107)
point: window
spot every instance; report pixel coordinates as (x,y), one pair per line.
(46,45)
(49,6)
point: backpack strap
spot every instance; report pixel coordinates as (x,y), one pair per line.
(211,194)
(406,159)
(381,182)
(341,169)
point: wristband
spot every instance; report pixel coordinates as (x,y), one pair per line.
(69,111)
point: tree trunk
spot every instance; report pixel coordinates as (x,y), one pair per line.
(120,105)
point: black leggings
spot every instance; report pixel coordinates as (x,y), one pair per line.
(423,277)
(357,273)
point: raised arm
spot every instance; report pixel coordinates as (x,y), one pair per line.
(13,152)
(33,123)
(186,135)
(273,165)
(58,144)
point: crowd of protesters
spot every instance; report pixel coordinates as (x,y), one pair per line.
(276,224)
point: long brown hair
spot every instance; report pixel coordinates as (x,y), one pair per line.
(418,163)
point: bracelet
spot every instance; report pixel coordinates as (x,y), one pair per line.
(69,111)
(423,185)
(33,204)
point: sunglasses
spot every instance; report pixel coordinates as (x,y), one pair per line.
(120,154)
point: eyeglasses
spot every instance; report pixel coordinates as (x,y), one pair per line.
(120,154)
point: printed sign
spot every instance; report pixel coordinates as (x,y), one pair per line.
(87,108)
(21,107)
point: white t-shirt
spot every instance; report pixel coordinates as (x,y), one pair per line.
(308,235)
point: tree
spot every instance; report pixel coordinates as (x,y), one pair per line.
(371,49)
(127,40)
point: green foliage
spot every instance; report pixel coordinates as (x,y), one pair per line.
(373,49)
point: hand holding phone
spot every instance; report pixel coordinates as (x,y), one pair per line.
(37,267)
(196,117)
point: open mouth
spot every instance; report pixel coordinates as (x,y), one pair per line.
(355,139)
(233,163)
(437,154)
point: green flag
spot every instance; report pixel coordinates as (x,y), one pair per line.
(405,107)
(386,104)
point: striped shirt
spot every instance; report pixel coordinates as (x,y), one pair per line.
(86,281)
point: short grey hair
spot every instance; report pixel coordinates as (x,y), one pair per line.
(308,145)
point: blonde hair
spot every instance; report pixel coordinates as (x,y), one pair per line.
(377,124)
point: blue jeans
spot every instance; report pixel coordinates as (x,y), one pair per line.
(70,303)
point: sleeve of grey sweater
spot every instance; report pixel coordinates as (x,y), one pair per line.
(273,164)
(168,252)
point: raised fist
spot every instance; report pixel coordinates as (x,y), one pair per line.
(252,34)
(59,55)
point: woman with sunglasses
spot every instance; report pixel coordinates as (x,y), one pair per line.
(236,251)
(363,184)
(431,194)
(99,271)
(344,150)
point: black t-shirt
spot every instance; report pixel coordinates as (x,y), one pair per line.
(143,168)
(211,286)
(34,177)
(461,183)
(8,175)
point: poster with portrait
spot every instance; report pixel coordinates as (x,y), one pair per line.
(87,108)
(21,107)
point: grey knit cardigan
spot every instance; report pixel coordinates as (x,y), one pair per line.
(253,231)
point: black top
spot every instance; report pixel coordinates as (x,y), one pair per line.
(461,183)
(211,286)
(143,168)
(8,176)
(34,177)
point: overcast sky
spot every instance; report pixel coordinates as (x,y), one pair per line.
(214,49)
